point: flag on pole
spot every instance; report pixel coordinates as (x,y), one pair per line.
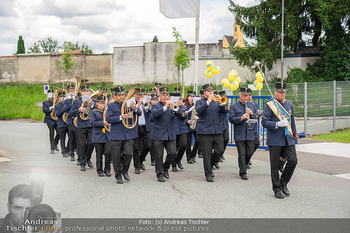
(178,8)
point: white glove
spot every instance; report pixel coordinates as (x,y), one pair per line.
(283,123)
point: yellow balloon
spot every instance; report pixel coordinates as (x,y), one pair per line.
(225,82)
(208,73)
(238,79)
(209,65)
(232,75)
(234,85)
(259,77)
(258,85)
(216,70)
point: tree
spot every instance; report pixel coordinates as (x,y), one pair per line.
(155,38)
(49,45)
(20,46)
(315,18)
(34,48)
(68,45)
(182,57)
(67,62)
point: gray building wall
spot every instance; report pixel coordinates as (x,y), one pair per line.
(8,69)
(33,68)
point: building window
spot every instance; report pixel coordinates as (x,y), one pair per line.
(235,29)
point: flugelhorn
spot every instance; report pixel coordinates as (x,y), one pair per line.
(221,99)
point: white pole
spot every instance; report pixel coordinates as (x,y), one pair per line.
(196,49)
(282,37)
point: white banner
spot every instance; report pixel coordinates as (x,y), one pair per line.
(178,8)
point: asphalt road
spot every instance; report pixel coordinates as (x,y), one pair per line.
(315,191)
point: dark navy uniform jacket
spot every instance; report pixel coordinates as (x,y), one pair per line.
(67,105)
(241,131)
(210,121)
(276,137)
(46,109)
(180,121)
(96,120)
(163,124)
(59,113)
(118,130)
(224,121)
(74,111)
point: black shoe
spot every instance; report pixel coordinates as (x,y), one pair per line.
(56,148)
(222,157)
(72,158)
(52,152)
(119,180)
(213,168)
(137,171)
(107,173)
(217,165)
(285,190)
(161,178)
(194,159)
(200,155)
(89,164)
(279,195)
(166,174)
(210,179)
(180,165)
(65,155)
(190,161)
(250,162)
(126,176)
(220,160)
(174,169)
(248,166)
(82,168)
(153,164)
(142,166)
(244,177)
(101,175)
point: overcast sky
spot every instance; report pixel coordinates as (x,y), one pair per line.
(104,24)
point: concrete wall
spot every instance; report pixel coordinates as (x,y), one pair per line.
(33,68)
(8,69)
(58,75)
(99,68)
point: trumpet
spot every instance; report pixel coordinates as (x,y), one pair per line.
(174,107)
(221,99)
(146,106)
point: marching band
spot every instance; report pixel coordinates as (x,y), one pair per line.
(122,128)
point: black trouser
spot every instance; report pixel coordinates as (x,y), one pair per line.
(170,147)
(53,139)
(226,138)
(192,153)
(121,156)
(72,144)
(85,144)
(77,143)
(256,141)
(181,143)
(210,142)
(245,151)
(291,156)
(152,152)
(63,133)
(142,145)
(101,148)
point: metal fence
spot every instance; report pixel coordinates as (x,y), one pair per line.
(319,107)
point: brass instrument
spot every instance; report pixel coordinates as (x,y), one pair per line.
(174,107)
(146,106)
(194,117)
(78,82)
(246,110)
(85,114)
(221,99)
(128,110)
(108,126)
(55,101)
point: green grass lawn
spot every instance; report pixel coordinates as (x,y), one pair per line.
(339,136)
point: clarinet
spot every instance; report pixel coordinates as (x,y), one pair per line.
(246,110)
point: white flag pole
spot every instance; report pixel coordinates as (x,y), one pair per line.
(196,48)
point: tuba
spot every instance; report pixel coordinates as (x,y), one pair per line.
(85,115)
(78,82)
(128,110)
(55,101)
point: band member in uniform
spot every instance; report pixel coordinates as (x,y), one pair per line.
(84,132)
(189,104)
(181,130)
(254,126)
(67,105)
(210,129)
(121,138)
(143,142)
(226,133)
(62,126)
(154,100)
(244,136)
(278,119)
(200,155)
(51,123)
(99,137)
(163,134)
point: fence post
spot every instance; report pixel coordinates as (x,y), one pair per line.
(305,109)
(334,103)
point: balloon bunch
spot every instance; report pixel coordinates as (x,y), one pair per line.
(258,82)
(211,69)
(233,80)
